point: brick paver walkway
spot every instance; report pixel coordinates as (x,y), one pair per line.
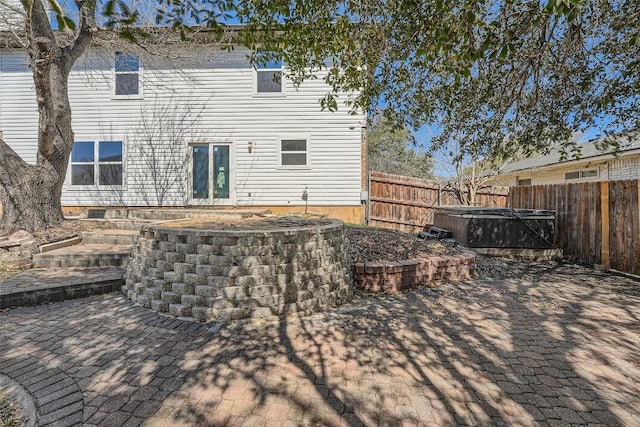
(561,352)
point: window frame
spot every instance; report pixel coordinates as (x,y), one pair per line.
(82,163)
(307,152)
(96,165)
(210,200)
(581,174)
(115,73)
(266,68)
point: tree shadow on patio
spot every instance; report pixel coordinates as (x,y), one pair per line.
(556,349)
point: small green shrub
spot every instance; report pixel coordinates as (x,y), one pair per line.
(9,412)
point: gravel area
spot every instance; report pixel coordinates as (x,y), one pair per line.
(570,273)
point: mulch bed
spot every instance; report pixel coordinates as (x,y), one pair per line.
(380,245)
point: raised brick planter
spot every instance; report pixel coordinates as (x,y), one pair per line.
(237,274)
(397,276)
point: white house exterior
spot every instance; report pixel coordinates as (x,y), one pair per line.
(212,131)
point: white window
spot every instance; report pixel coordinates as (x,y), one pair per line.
(96,163)
(294,153)
(590,173)
(127,75)
(269,78)
(526,181)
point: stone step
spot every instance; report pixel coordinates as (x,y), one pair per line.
(84,255)
(168,214)
(45,285)
(105,213)
(48,247)
(111,237)
(118,224)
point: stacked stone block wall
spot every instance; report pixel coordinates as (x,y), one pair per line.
(397,276)
(228,275)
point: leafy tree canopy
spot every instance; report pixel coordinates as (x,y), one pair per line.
(492,75)
(529,72)
(393,149)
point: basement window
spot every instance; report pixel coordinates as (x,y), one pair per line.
(96,163)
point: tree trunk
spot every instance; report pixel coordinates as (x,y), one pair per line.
(472,195)
(31,202)
(30,194)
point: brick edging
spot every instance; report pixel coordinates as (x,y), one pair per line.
(396,276)
(57,397)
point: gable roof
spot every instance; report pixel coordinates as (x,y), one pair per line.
(588,150)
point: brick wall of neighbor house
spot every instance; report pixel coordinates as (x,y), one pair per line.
(626,168)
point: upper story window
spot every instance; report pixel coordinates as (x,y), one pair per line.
(96,162)
(269,78)
(127,74)
(588,173)
(294,153)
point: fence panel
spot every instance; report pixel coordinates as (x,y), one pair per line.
(406,204)
(596,222)
(624,226)
(578,215)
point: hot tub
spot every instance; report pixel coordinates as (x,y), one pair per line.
(482,227)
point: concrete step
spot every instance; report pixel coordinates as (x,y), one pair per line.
(111,237)
(157,214)
(168,214)
(85,255)
(45,285)
(118,224)
(106,213)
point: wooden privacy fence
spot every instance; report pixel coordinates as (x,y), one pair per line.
(596,222)
(406,204)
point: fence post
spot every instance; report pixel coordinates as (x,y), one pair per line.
(604,209)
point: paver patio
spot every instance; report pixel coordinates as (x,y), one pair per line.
(560,352)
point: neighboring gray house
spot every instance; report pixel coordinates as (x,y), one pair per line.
(592,165)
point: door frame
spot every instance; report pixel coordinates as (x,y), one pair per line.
(211,201)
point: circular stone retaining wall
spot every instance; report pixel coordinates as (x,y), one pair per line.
(237,274)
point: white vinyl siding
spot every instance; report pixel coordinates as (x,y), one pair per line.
(18,105)
(222,90)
